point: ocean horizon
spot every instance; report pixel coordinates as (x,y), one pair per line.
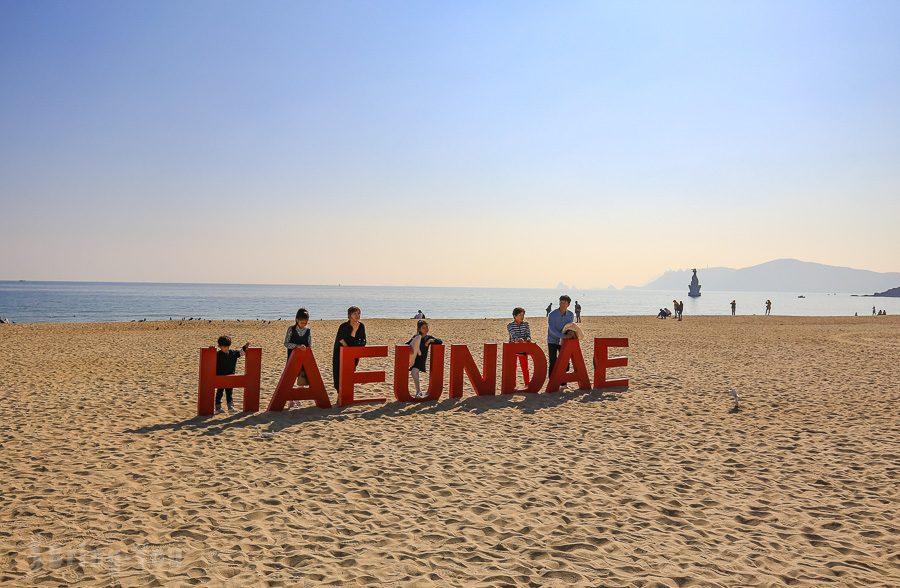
(50,301)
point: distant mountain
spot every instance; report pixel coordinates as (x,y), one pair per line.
(780,275)
(893,293)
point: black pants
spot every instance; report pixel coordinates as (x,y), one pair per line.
(554,352)
(228,397)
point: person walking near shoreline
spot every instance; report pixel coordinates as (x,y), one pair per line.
(733,307)
(679,308)
(577,312)
(768,307)
(556,322)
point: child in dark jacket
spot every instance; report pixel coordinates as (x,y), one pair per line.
(299,335)
(226,363)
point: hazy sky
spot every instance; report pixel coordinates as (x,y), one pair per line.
(445,143)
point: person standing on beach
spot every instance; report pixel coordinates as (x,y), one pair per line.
(577,312)
(226,364)
(556,322)
(768,307)
(299,336)
(733,306)
(419,344)
(549,308)
(873,311)
(520,332)
(350,334)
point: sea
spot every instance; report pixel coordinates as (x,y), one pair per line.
(37,302)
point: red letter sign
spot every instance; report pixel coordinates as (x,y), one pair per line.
(401,374)
(209,381)
(350,377)
(461,360)
(603,362)
(301,358)
(508,367)
(571,351)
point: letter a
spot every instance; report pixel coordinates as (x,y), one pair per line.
(571,351)
(286,391)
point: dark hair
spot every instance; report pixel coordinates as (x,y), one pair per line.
(566,298)
(419,325)
(302,315)
(352,309)
(224,341)
(517,311)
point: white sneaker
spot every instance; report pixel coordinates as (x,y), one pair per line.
(219,410)
(231,408)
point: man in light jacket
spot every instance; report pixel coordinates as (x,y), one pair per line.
(556,322)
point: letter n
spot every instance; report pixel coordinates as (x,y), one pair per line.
(461,361)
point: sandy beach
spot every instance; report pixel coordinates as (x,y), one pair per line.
(109,478)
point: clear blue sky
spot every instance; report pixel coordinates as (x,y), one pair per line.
(454,143)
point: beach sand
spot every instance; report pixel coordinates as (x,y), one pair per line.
(109,479)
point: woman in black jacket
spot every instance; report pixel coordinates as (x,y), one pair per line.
(350,334)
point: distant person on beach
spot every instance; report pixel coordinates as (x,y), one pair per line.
(520,332)
(768,307)
(556,322)
(661,314)
(419,344)
(873,311)
(577,312)
(226,363)
(549,309)
(733,307)
(680,309)
(419,315)
(350,334)
(299,336)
